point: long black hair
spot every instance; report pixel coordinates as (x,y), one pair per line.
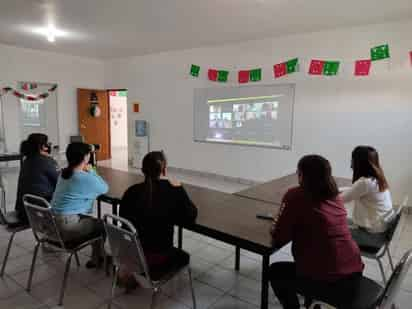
(365,163)
(75,154)
(152,166)
(34,144)
(317,180)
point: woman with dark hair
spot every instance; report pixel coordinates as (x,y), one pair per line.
(154,207)
(373,208)
(327,263)
(77,188)
(38,173)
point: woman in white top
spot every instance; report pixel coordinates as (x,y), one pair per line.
(373,209)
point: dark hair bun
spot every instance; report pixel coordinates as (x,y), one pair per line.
(33,144)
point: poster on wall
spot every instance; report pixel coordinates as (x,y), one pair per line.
(141,128)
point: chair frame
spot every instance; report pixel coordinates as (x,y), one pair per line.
(12,230)
(119,223)
(42,240)
(391,289)
(385,248)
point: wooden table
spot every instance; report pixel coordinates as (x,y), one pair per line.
(119,182)
(273,191)
(222,216)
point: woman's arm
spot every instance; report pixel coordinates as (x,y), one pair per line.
(95,184)
(358,189)
(186,211)
(284,223)
(52,172)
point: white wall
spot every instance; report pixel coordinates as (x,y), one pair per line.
(19,64)
(118,121)
(332,115)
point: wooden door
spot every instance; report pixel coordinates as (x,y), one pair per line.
(95,130)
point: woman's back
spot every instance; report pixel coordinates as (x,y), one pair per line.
(373,208)
(322,245)
(38,176)
(155,221)
(76,194)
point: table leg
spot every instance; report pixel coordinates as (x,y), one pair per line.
(265,282)
(179,237)
(237,258)
(99,209)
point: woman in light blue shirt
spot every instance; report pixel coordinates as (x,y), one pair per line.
(77,188)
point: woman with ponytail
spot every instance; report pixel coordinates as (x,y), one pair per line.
(154,207)
(77,188)
(373,204)
(38,173)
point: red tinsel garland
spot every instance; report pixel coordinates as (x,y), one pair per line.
(24,96)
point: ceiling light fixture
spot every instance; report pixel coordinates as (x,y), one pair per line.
(50,32)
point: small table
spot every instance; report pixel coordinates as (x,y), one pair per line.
(222,216)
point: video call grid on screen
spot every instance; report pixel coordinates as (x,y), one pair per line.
(260,116)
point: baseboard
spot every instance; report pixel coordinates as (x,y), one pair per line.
(243,181)
(408,210)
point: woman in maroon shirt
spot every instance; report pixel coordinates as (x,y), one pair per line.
(327,263)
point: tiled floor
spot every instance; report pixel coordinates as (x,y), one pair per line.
(216,283)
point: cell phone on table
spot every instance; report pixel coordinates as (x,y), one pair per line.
(267,216)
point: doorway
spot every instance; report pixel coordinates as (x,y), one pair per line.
(118,127)
(93,115)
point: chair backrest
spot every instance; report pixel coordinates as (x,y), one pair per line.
(395,221)
(3,208)
(126,248)
(41,219)
(393,286)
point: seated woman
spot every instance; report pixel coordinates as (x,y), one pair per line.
(327,263)
(38,173)
(76,190)
(154,207)
(373,209)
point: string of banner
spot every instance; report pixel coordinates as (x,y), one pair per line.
(316,67)
(28,97)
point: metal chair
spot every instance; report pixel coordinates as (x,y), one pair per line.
(127,251)
(371,295)
(45,230)
(11,222)
(378,250)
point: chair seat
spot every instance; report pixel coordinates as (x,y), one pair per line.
(370,249)
(74,243)
(367,295)
(13,222)
(373,245)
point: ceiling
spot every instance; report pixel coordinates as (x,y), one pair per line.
(121,28)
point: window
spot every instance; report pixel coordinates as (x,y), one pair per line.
(31,113)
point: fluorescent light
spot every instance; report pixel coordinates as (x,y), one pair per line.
(50,32)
